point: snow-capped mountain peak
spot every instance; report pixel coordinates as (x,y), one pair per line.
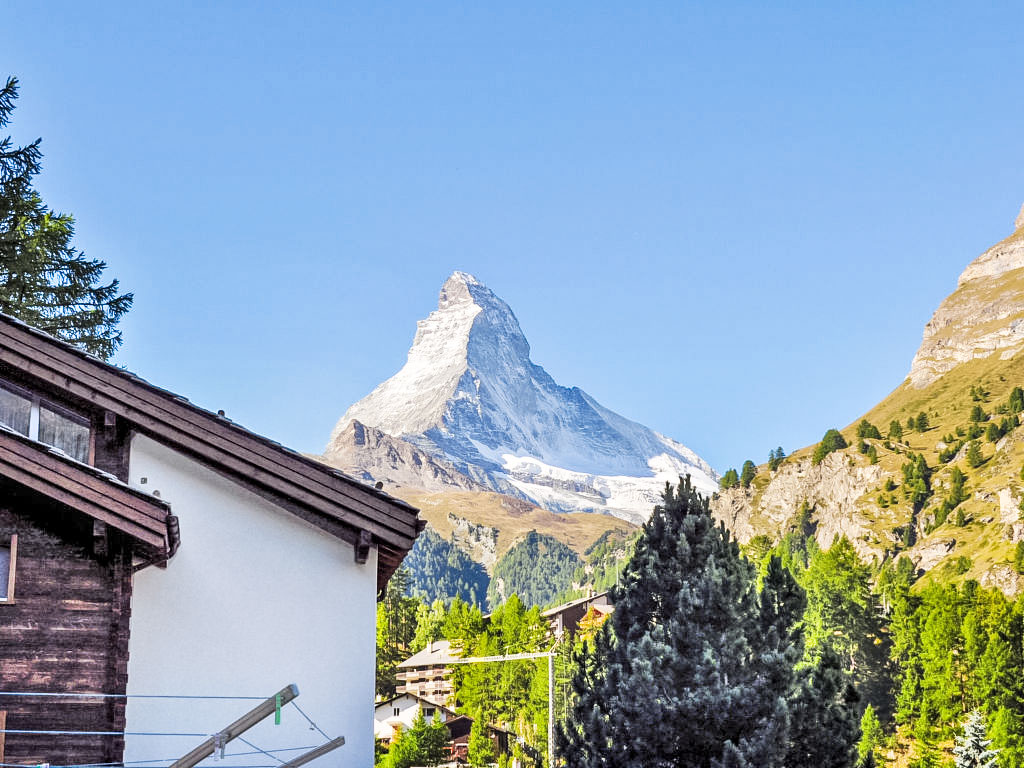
(469,394)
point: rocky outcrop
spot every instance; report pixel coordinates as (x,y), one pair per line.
(984,315)
(372,455)
(480,541)
(1003,578)
(832,489)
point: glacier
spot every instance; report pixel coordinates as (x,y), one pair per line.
(470,395)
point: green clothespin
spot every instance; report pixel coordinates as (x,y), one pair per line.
(277,709)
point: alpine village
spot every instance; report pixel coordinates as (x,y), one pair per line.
(505,571)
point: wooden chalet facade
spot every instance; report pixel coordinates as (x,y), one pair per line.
(103,479)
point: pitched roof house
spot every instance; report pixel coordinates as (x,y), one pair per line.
(148,546)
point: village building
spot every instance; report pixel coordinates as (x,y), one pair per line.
(148,547)
(565,619)
(428,674)
(398,713)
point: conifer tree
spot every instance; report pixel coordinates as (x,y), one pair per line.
(748,473)
(695,667)
(481,750)
(971,749)
(44,280)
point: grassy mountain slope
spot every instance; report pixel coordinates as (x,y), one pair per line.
(970,358)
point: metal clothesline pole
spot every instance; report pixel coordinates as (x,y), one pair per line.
(237,728)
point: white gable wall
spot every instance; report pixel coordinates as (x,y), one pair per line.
(384,718)
(254,599)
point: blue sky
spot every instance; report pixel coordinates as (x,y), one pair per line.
(727,221)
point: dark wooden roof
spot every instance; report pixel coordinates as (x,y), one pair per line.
(84,489)
(315,492)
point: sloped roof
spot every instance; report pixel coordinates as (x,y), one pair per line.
(438,652)
(313,491)
(54,474)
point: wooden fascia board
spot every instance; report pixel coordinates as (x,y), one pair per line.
(72,488)
(239,452)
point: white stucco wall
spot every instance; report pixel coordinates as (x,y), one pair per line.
(254,599)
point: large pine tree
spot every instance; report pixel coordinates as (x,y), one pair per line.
(695,668)
(44,280)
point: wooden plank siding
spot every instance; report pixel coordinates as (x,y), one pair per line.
(320,494)
(66,632)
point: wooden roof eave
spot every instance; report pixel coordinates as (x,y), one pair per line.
(43,470)
(234,451)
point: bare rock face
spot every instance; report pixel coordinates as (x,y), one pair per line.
(480,541)
(929,554)
(985,314)
(369,454)
(832,488)
(1019,223)
(1003,578)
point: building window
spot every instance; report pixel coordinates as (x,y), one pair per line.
(44,421)
(428,713)
(396,711)
(8,562)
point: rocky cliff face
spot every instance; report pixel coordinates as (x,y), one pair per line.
(833,489)
(478,412)
(984,315)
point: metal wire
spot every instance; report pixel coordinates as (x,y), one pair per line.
(311,723)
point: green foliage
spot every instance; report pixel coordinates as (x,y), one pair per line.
(775,458)
(697,668)
(729,480)
(843,616)
(831,441)
(993,432)
(974,431)
(895,430)
(978,414)
(509,693)
(44,280)
(916,480)
(748,473)
(921,424)
(439,570)
(974,456)
(979,394)
(1015,404)
(871,735)
(396,628)
(957,494)
(602,562)
(481,748)
(952,448)
(866,429)
(423,744)
(538,569)
(1018,557)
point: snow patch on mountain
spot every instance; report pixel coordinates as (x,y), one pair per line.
(469,394)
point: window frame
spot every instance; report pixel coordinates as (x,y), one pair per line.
(12,544)
(37,402)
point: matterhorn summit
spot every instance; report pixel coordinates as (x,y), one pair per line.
(469,409)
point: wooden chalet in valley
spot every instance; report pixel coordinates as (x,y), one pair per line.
(148,546)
